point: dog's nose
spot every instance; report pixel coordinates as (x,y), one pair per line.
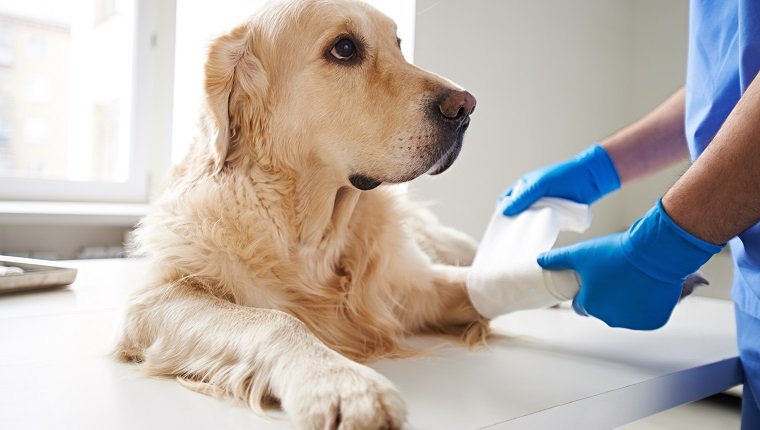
(457,105)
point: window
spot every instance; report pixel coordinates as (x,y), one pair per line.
(6,43)
(36,47)
(38,90)
(71,107)
(5,134)
(5,118)
(109,159)
(6,40)
(36,132)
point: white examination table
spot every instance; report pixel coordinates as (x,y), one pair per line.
(550,369)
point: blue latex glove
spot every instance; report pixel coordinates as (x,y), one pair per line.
(633,279)
(584,179)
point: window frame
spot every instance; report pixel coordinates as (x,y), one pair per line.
(150,125)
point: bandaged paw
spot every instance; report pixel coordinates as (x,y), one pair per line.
(505,276)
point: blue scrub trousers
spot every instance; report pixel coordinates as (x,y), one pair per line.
(748,339)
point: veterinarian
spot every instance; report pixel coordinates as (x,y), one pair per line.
(633,279)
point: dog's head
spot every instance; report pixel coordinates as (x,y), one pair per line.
(326,79)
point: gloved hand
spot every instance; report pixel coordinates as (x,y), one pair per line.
(584,179)
(633,279)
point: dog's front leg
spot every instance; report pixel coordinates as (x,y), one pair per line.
(443,244)
(255,355)
(442,305)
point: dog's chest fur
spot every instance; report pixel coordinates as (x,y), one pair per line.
(321,256)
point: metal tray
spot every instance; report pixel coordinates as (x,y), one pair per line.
(37,274)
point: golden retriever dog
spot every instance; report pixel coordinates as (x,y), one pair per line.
(279,259)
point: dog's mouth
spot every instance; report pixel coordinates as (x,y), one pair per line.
(450,155)
(364,183)
(443,161)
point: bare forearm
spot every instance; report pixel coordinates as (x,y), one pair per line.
(652,143)
(719,196)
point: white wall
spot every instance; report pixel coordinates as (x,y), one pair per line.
(550,76)
(659,33)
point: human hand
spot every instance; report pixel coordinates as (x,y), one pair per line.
(633,279)
(584,179)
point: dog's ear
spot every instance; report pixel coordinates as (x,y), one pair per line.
(235,87)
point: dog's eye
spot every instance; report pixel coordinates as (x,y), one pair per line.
(344,50)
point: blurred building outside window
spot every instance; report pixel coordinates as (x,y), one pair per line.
(66,92)
(61,68)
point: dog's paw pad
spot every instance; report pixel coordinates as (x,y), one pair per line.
(347,397)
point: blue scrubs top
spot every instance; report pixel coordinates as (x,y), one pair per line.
(724,58)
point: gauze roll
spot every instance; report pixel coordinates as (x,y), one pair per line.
(505,276)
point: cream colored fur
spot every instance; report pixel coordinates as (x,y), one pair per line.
(270,275)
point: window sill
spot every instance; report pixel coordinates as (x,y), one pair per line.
(71,213)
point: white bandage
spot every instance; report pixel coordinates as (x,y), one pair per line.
(505,276)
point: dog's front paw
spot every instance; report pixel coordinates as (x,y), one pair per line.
(345,396)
